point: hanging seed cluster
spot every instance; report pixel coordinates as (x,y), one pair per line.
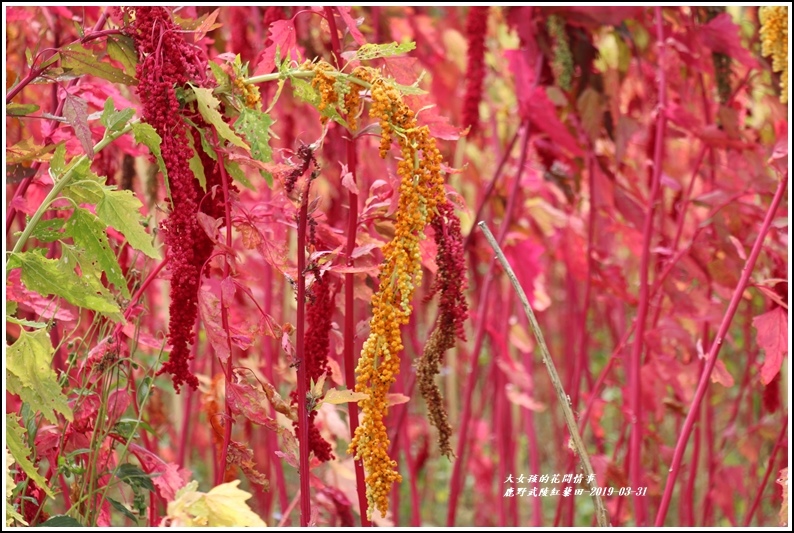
(421,192)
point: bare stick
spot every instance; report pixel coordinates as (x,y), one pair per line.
(570,421)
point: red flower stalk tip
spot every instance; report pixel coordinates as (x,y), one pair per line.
(476,26)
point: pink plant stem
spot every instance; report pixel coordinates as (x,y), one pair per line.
(635,362)
(303,414)
(688,499)
(186,410)
(456,482)
(581,360)
(781,438)
(227,427)
(711,359)
(350,324)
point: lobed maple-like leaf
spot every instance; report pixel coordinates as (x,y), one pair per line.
(284,41)
(29,375)
(721,35)
(223,506)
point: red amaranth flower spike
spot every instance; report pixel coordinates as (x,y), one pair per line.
(167,62)
(319,310)
(476,27)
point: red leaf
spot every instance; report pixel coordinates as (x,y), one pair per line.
(779,158)
(348,181)
(283,35)
(16,292)
(118,401)
(250,402)
(210,312)
(534,103)
(171,477)
(722,35)
(352,27)
(75,111)
(773,338)
(85,410)
(594,16)
(207,25)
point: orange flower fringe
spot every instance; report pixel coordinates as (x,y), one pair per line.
(421,191)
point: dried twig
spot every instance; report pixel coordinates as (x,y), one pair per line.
(570,421)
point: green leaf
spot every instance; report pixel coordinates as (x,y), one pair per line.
(221,78)
(374,51)
(60,520)
(115,120)
(120,210)
(88,232)
(304,91)
(17,445)
(57,277)
(122,49)
(255,125)
(196,166)
(127,427)
(26,323)
(58,161)
(237,173)
(144,133)
(30,375)
(134,476)
(84,61)
(20,110)
(208,107)
(85,189)
(48,230)
(120,507)
(407,89)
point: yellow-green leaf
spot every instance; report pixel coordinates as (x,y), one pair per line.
(336,397)
(255,125)
(81,60)
(20,110)
(57,277)
(29,375)
(17,446)
(122,49)
(144,133)
(372,51)
(223,506)
(208,107)
(89,233)
(196,166)
(121,210)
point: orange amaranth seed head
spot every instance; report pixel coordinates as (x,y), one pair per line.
(421,191)
(774,42)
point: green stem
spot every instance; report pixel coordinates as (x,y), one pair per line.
(60,184)
(301,73)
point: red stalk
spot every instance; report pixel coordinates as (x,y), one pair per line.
(635,362)
(769,466)
(711,360)
(303,413)
(227,428)
(350,324)
(456,482)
